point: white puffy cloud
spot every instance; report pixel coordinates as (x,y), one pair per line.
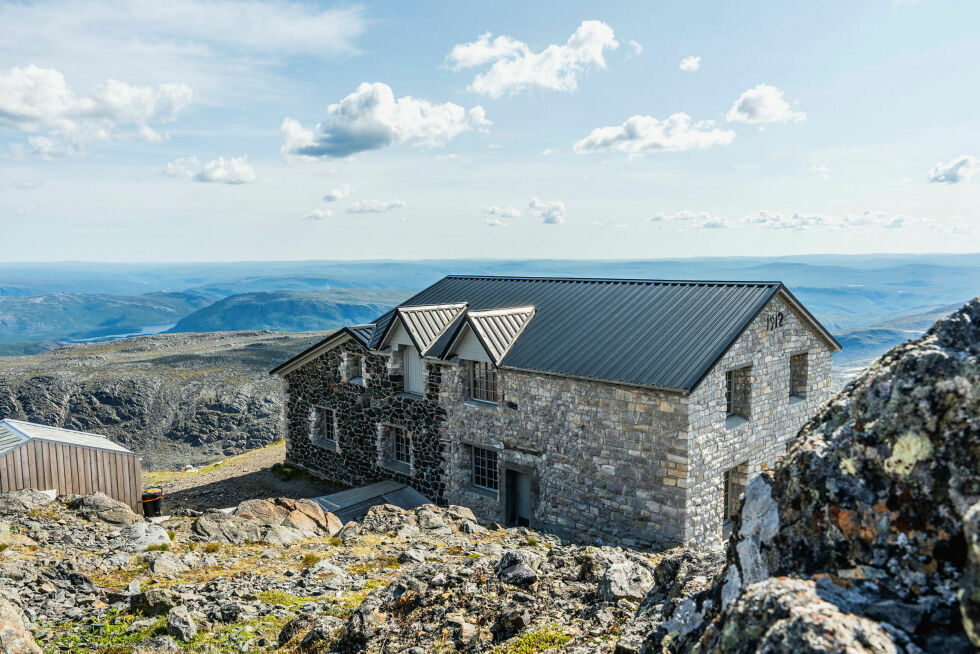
(503,212)
(338,193)
(958,170)
(375,206)
(763,104)
(797,221)
(643,134)
(690,64)
(38,101)
(318,214)
(233,170)
(551,212)
(516,68)
(371,118)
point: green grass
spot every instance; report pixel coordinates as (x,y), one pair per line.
(535,641)
(105,636)
(162,547)
(4,546)
(309,560)
(211,548)
(284,599)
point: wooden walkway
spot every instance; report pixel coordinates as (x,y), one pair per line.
(353,504)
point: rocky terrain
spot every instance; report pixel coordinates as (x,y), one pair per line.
(864,539)
(174,398)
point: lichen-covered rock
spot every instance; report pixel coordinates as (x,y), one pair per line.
(15,635)
(22,501)
(100,507)
(140,536)
(787,615)
(970,593)
(303,515)
(219,527)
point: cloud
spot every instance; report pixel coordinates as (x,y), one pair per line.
(763,104)
(233,170)
(371,118)
(494,222)
(503,212)
(690,64)
(637,47)
(375,206)
(547,152)
(183,167)
(38,101)
(338,193)
(822,171)
(516,68)
(452,157)
(642,134)
(552,212)
(958,170)
(318,214)
(608,224)
(797,221)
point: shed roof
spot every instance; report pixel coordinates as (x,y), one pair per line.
(14,433)
(656,333)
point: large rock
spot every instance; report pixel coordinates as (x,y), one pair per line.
(304,515)
(22,501)
(970,593)
(155,601)
(140,536)
(219,527)
(100,507)
(627,580)
(15,635)
(180,624)
(787,615)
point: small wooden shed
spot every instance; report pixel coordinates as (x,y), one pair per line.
(67,461)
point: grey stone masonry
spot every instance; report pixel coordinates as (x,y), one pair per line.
(605,462)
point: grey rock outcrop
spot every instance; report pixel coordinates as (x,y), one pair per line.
(15,635)
(100,507)
(180,624)
(22,501)
(140,536)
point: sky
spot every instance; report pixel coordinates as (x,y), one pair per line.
(227,130)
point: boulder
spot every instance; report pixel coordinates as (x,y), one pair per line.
(155,601)
(305,516)
(157,645)
(180,624)
(298,625)
(15,634)
(99,507)
(22,501)
(627,580)
(512,558)
(382,518)
(219,527)
(139,536)
(970,591)
(165,563)
(323,630)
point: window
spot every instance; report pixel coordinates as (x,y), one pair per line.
(726,495)
(797,375)
(402,445)
(323,426)
(355,374)
(733,484)
(483,381)
(738,391)
(413,370)
(485,468)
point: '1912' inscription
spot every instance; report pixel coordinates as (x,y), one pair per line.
(774,321)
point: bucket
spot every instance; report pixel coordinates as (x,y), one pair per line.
(152,501)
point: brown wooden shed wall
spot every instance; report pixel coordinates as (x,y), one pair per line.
(46,465)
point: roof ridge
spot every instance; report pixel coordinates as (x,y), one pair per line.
(619,280)
(38,424)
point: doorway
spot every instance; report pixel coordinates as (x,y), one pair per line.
(518,493)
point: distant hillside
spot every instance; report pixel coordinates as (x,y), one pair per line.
(173,398)
(60,316)
(294,311)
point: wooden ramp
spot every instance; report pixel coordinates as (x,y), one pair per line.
(353,504)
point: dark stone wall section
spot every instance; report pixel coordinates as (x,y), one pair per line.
(360,410)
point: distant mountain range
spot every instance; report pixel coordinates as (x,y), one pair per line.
(870,301)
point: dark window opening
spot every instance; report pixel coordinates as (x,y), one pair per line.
(402,442)
(483,381)
(738,391)
(485,468)
(798,375)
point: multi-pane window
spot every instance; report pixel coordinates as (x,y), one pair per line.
(323,424)
(402,445)
(483,381)
(797,375)
(485,468)
(738,392)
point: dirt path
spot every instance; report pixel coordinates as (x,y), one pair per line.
(235,479)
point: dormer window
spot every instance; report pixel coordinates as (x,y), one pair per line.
(413,370)
(353,368)
(482,381)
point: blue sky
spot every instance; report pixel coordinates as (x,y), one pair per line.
(191,131)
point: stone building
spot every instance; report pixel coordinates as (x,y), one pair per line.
(625,411)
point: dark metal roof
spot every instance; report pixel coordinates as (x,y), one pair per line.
(361,333)
(658,333)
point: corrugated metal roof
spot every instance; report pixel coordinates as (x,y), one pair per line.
(361,332)
(426,323)
(10,439)
(31,430)
(497,329)
(658,333)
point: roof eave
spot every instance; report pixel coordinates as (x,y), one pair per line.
(312,352)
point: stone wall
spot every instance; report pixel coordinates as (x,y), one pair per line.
(361,408)
(719,443)
(609,462)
